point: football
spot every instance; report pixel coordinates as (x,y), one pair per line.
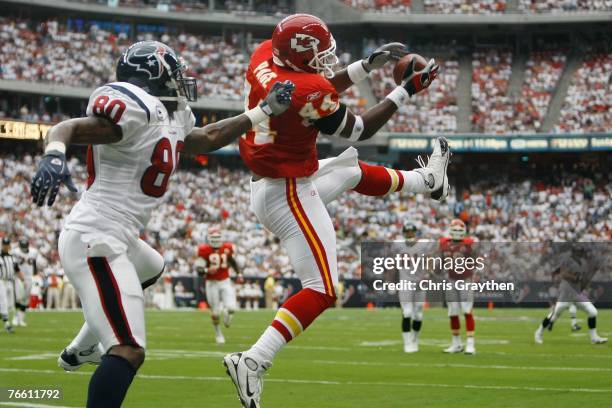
(402,65)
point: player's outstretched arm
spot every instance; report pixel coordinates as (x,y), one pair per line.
(216,135)
(359,70)
(52,170)
(355,128)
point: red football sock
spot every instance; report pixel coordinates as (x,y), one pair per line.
(378,180)
(455,325)
(469,323)
(299,311)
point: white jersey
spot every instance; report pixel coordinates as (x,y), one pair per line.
(127,179)
(26,261)
(420,249)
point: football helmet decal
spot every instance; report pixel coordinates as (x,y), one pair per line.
(303,42)
(158,69)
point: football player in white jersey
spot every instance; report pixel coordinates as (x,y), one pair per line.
(136,129)
(413,301)
(26,258)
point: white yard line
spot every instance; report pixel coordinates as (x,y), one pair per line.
(31,405)
(461,365)
(343,383)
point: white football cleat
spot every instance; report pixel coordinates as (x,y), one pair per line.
(434,173)
(247,374)
(537,336)
(219,339)
(227,318)
(599,340)
(469,347)
(454,348)
(411,347)
(72,360)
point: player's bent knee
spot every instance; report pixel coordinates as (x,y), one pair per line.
(135,355)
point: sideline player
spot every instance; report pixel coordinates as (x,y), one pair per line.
(136,129)
(412,301)
(290,187)
(577,267)
(26,258)
(459,301)
(218,257)
(9,269)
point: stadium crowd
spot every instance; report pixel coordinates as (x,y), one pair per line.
(53,53)
(241,7)
(432,111)
(588,104)
(556,6)
(542,74)
(571,208)
(491,107)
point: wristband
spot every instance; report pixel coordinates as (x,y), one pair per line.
(356,72)
(56,146)
(256,115)
(357,129)
(398,96)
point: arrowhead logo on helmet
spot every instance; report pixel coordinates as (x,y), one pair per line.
(303,43)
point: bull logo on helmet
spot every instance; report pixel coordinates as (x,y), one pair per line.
(304,42)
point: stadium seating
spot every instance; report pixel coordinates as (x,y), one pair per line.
(242,7)
(541,77)
(556,6)
(87,58)
(588,104)
(491,107)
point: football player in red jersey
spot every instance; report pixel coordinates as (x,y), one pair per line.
(290,187)
(218,257)
(458,244)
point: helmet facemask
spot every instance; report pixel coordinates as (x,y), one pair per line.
(324,61)
(186,87)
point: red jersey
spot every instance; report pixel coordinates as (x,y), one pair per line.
(457,249)
(285,146)
(216,260)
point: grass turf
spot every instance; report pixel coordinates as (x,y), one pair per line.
(348,358)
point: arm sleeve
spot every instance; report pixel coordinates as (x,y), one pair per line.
(123,108)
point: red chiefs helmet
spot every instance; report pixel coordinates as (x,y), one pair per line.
(304,43)
(214,237)
(457,229)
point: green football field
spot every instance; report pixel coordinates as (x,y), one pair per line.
(348,358)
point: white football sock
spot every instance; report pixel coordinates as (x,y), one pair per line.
(217,329)
(84,340)
(407,337)
(593,333)
(270,343)
(456,340)
(414,182)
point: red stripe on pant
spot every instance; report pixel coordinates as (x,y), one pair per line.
(298,211)
(110,297)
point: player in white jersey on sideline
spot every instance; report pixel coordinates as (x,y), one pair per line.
(413,301)
(27,259)
(136,129)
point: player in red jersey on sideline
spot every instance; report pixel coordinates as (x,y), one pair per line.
(217,257)
(290,187)
(458,244)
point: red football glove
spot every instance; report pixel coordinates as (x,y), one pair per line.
(416,81)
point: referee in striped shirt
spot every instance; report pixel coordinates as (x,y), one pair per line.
(8,270)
